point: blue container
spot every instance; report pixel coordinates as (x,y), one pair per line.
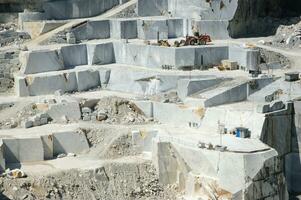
(238,133)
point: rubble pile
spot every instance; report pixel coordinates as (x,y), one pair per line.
(9,64)
(272,60)
(25,116)
(58,38)
(288,36)
(127,13)
(37,120)
(110,141)
(167,97)
(113,181)
(9,35)
(114,110)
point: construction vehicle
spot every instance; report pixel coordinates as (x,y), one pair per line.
(197,39)
(200,40)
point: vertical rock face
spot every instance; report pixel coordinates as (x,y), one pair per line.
(20,5)
(281,131)
(9,65)
(197,9)
(292,160)
(211,174)
(261,17)
(246,17)
(205,9)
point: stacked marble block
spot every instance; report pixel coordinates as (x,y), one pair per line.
(86,66)
(45,72)
(46,146)
(130,28)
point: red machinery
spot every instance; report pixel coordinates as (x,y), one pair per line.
(197,39)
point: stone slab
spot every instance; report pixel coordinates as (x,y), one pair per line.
(175,28)
(100,54)
(247,58)
(48,83)
(187,87)
(23,150)
(124,28)
(104,76)
(87,79)
(47,141)
(40,61)
(148,29)
(69,110)
(146,107)
(74,55)
(69,142)
(98,29)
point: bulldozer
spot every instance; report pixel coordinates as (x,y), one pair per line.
(196,39)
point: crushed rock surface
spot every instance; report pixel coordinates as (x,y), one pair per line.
(10,35)
(119,111)
(115,180)
(287,36)
(13,115)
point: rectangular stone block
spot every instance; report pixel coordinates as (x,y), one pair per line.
(104,76)
(245,57)
(21,88)
(210,55)
(228,94)
(23,150)
(135,54)
(74,55)
(187,87)
(175,28)
(69,142)
(98,29)
(87,79)
(48,83)
(148,29)
(160,57)
(69,110)
(184,57)
(100,54)
(146,107)
(124,29)
(11,150)
(229,65)
(40,61)
(47,141)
